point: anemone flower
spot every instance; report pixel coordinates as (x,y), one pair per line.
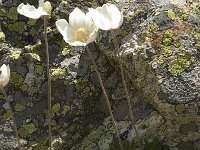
(80,30)
(107,17)
(44,9)
(5,75)
(4,79)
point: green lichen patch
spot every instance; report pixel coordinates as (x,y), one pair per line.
(167,41)
(56,108)
(3,12)
(197,45)
(179,65)
(162,127)
(19,107)
(39,69)
(65,51)
(58,73)
(7,115)
(154,27)
(169,33)
(66,109)
(171,14)
(18,27)
(32,22)
(24,87)
(16,78)
(166,52)
(12,13)
(180,108)
(177,43)
(14,54)
(35,56)
(27,129)
(195,8)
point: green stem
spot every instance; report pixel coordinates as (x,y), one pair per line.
(125,87)
(13,117)
(106,97)
(49,81)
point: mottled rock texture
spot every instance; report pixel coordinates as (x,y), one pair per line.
(159,41)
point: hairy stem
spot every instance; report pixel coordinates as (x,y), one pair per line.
(13,117)
(49,81)
(125,86)
(106,97)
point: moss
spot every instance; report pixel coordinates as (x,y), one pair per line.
(39,69)
(19,107)
(171,14)
(3,12)
(15,54)
(18,27)
(179,65)
(12,13)
(197,45)
(180,108)
(154,27)
(166,52)
(58,73)
(16,78)
(65,51)
(31,22)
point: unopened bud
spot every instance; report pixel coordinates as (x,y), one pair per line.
(47,7)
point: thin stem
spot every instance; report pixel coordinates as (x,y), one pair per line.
(13,117)
(125,87)
(49,80)
(106,97)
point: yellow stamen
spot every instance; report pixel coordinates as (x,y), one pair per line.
(81,34)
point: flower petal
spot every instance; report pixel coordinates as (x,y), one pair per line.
(77,19)
(41,3)
(30,11)
(92,38)
(114,15)
(62,25)
(89,24)
(5,75)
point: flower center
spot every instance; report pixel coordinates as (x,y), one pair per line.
(81,34)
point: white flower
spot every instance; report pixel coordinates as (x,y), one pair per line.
(31,12)
(5,75)
(80,31)
(107,17)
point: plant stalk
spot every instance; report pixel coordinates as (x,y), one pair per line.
(125,88)
(13,117)
(106,97)
(49,80)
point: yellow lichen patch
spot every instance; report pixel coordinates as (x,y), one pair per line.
(58,73)
(180,108)
(14,54)
(35,56)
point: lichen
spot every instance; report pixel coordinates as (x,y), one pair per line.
(24,87)
(180,64)
(167,41)
(66,109)
(56,108)
(12,13)
(65,51)
(35,56)
(2,37)
(19,107)
(171,14)
(166,52)
(154,27)
(32,22)
(58,73)
(180,108)
(3,12)
(16,78)
(197,45)
(195,8)
(39,69)
(27,129)
(14,54)
(19,27)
